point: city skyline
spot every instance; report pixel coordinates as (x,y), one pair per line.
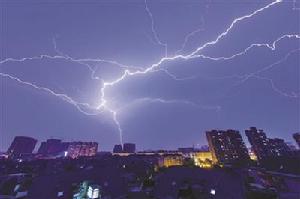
(257,142)
(158,74)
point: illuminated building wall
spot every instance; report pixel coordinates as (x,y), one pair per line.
(88,190)
(93,192)
(172,160)
(203,159)
(252,155)
(78,149)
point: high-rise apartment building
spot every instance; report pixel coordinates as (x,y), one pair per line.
(21,145)
(279,147)
(265,147)
(259,142)
(227,147)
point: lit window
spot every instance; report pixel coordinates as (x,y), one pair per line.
(213,192)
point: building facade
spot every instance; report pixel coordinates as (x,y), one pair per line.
(259,142)
(129,148)
(51,147)
(279,147)
(21,145)
(79,149)
(227,147)
(203,159)
(168,160)
(265,147)
(118,148)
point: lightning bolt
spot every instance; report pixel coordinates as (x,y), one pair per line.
(153,67)
(129,71)
(69,58)
(91,69)
(190,35)
(120,130)
(157,100)
(85,61)
(266,68)
(271,46)
(154,32)
(82,107)
(235,21)
(82,61)
(173,101)
(276,89)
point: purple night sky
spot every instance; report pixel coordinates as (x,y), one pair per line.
(57,56)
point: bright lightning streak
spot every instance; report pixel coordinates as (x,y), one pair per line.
(157,100)
(114,115)
(189,56)
(245,77)
(68,58)
(91,69)
(223,34)
(271,46)
(127,73)
(154,67)
(173,101)
(82,107)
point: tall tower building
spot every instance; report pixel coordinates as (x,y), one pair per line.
(227,147)
(118,148)
(279,147)
(21,145)
(129,148)
(264,147)
(259,142)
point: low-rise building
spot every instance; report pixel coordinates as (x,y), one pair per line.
(78,149)
(203,159)
(168,160)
